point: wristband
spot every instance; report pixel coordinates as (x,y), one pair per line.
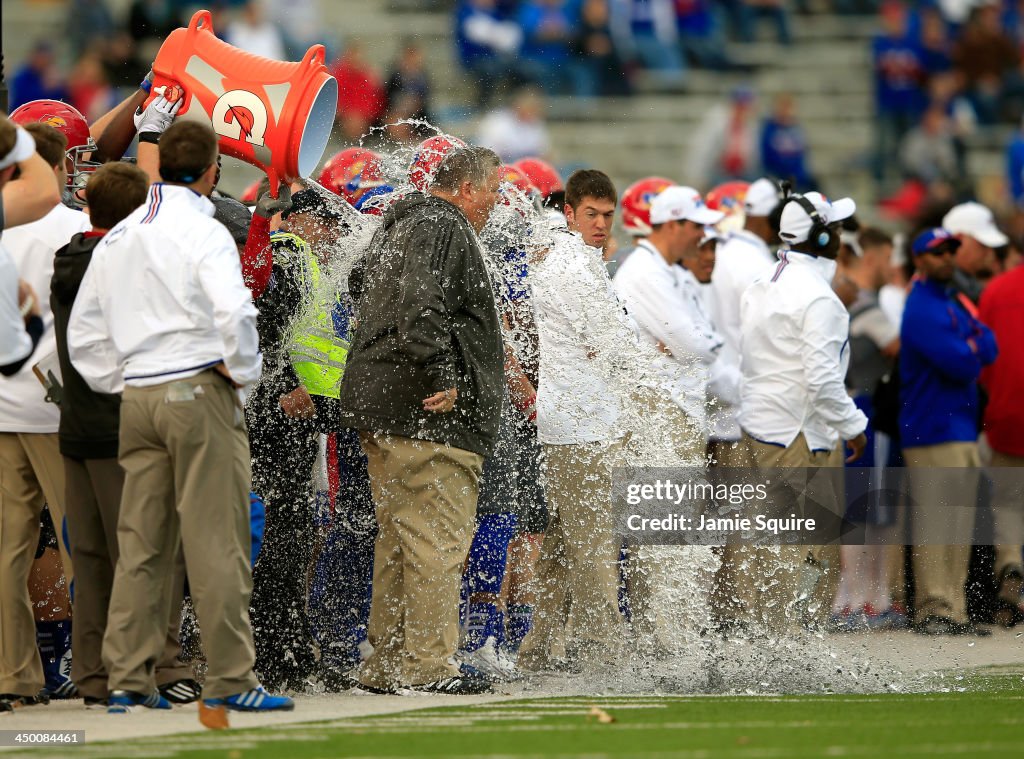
(152,138)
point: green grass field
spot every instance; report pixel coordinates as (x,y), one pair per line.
(986,718)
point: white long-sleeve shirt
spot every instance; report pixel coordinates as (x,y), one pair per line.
(656,299)
(584,332)
(163,299)
(23,404)
(795,351)
(740,260)
(723,379)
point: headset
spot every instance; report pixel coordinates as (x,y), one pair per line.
(820,236)
(785,191)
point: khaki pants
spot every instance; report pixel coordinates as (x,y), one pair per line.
(425,495)
(733,589)
(93,502)
(31,474)
(942,505)
(1008,513)
(579,561)
(187,478)
(768,578)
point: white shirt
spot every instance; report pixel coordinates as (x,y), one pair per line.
(654,295)
(740,260)
(263,39)
(795,355)
(511,137)
(15,343)
(163,299)
(23,406)
(584,332)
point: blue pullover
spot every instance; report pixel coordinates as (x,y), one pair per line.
(943,349)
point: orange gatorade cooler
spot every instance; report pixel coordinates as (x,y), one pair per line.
(276,115)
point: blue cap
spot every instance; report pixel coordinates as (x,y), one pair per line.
(933,238)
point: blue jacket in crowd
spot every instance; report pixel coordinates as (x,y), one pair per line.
(943,349)
(899,75)
(1015,169)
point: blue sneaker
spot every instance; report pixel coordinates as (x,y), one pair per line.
(255,700)
(124,701)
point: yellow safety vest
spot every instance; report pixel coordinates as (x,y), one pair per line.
(317,354)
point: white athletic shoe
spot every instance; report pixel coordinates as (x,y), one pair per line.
(492,662)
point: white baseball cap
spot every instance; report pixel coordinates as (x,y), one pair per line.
(975,220)
(795,223)
(762,197)
(677,203)
(24,147)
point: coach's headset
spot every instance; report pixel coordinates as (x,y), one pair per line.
(819,235)
(784,190)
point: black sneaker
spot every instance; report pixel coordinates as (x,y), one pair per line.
(471,682)
(91,702)
(11,701)
(184,691)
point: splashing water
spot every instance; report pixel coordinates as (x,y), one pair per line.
(681,652)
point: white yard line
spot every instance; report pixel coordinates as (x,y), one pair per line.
(914,655)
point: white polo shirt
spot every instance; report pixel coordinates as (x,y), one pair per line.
(795,352)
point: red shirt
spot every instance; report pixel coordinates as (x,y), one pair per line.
(1002,309)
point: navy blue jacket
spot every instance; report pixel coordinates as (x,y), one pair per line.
(943,349)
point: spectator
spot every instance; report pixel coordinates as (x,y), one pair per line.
(928,152)
(646,33)
(487,43)
(408,85)
(1015,169)
(518,131)
(121,63)
(700,36)
(985,56)
(254,34)
(89,90)
(597,68)
(975,257)
(725,145)
(149,23)
(301,25)
(88,21)
(749,12)
(361,98)
(1002,310)
(942,351)
(38,78)
(784,145)
(899,79)
(547,33)
(935,42)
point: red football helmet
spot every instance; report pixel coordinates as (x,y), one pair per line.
(541,174)
(428,157)
(352,172)
(636,204)
(728,198)
(72,124)
(518,179)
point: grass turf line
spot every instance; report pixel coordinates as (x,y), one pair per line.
(987,719)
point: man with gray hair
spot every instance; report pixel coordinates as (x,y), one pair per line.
(423,384)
